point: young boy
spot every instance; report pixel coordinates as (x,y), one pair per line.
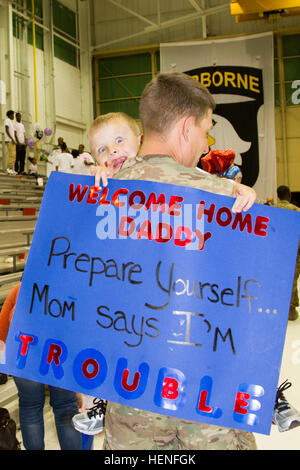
(113,137)
(33,170)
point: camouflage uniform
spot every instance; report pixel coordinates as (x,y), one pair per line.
(293,314)
(164,169)
(128,428)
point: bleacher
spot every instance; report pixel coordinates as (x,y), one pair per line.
(20,199)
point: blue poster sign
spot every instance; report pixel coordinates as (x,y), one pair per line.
(156,296)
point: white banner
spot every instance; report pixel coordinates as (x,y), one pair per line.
(239,72)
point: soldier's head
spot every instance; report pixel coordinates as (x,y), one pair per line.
(284,193)
(175,107)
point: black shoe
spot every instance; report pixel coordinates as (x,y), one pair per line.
(3,379)
(293,314)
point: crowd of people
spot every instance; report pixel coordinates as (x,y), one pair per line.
(176,115)
(76,161)
(61,158)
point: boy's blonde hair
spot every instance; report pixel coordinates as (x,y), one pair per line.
(106,118)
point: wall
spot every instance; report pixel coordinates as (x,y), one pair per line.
(70,106)
(292,117)
(69,118)
(111,23)
(71,101)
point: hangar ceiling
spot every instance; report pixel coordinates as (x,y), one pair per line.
(117,22)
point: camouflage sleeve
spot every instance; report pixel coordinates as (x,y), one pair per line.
(165,169)
(287,205)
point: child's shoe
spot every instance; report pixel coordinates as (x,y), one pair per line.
(285,416)
(92,421)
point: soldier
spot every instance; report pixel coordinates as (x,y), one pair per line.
(176,115)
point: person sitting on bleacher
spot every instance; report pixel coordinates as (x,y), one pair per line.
(33,171)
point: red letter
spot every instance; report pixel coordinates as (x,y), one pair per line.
(77,193)
(86,373)
(145,230)
(93,194)
(239,220)
(54,353)
(240,402)
(202,239)
(173,204)
(126,220)
(103,200)
(188,236)
(155,202)
(115,199)
(228,213)
(142,197)
(25,342)
(209,212)
(160,227)
(202,402)
(135,383)
(170,389)
(261,225)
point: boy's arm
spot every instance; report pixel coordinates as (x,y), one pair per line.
(244,197)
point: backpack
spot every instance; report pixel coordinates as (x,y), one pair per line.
(8,439)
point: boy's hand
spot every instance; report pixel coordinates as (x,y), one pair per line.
(100,172)
(245,197)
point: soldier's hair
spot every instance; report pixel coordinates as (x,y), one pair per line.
(171,96)
(284,193)
(106,118)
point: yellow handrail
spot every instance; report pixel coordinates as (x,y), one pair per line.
(34,65)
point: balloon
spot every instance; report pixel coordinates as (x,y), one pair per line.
(39,134)
(47,131)
(30,143)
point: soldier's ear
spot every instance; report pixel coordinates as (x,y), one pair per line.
(187,124)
